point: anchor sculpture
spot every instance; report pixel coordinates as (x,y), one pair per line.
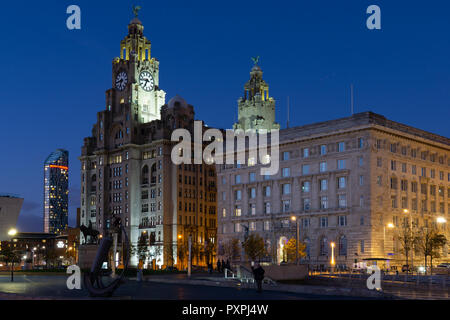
(93,280)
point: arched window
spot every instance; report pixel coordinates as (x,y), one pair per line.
(94,178)
(323,246)
(153,174)
(343,245)
(145,175)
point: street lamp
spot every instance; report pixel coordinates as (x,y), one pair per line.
(294,218)
(12,232)
(441,220)
(332,256)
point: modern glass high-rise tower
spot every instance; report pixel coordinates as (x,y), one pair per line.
(56,191)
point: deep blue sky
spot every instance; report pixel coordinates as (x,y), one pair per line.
(53,79)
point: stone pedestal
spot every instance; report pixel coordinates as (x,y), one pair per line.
(86,255)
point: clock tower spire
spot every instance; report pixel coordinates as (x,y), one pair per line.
(135,78)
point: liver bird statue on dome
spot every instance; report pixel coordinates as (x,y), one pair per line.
(136,10)
(255,60)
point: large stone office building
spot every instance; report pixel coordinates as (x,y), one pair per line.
(352,181)
(127,169)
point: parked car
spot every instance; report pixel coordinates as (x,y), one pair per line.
(444,265)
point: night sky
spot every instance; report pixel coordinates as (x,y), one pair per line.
(54,80)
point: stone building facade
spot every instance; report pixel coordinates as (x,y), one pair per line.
(127,169)
(346,181)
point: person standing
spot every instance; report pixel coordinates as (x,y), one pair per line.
(258,274)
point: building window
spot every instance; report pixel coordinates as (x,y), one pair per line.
(238,195)
(252,176)
(286,205)
(361,246)
(237,178)
(267,207)
(342,245)
(342,182)
(379,162)
(287,188)
(286,172)
(323,202)
(306,204)
(323,166)
(341,164)
(323,246)
(323,150)
(341,146)
(305,169)
(342,201)
(266,190)
(305,152)
(342,221)
(252,209)
(306,186)
(237,211)
(286,155)
(323,222)
(323,184)
(252,193)
(360,143)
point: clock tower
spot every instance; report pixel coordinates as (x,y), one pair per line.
(135,78)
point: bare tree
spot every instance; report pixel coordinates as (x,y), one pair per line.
(406,239)
(429,243)
(232,249)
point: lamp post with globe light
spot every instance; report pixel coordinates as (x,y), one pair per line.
(294,218)
(12,232)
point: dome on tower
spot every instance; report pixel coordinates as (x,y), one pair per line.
(136,21)
(177,101)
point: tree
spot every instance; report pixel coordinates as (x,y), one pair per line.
(407,240)
(50,256)
(429,243)
(141,249)
(210,249)
(254,247)
(181,255)
(232,249)
(8,255)
(291,247)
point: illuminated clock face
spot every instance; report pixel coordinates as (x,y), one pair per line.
(146,81)
(121,80)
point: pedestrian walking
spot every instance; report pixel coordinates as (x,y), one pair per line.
(258,274)
(218,266)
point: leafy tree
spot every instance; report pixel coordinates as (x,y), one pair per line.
(181,255)
(50,256)
(141,249)
(254,247)
(232,249)
(8,255)
(429,243)
(291,247)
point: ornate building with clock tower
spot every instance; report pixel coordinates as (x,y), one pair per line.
(126,167)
